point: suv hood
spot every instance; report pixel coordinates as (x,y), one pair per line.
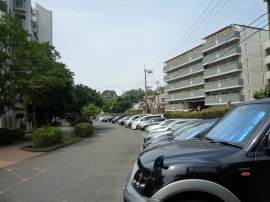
(185,151)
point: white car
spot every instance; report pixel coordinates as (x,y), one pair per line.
(135,124)
(163,123)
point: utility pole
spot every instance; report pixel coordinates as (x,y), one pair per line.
(149,72)
(158,95)
(268,10)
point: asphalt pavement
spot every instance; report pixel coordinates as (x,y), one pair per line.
(13,154)
(93,169)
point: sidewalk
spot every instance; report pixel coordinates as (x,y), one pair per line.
(13,154)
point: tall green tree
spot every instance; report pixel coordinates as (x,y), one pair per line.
(85,96)
(90,110)
(107,94)
(13,43)
(120,105)
(44,74)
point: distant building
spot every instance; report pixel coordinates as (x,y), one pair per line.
(38,22)
(229,66)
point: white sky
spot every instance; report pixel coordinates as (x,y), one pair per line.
(106,43)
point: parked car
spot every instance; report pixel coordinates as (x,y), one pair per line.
(128,121)
(231,162)
(107,118)
(156,120)
(178,126)
(135,124)
(114,120)
(122,120)
(164,123)
(171,125)
(187,131)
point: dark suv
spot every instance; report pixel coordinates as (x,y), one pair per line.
(231,162)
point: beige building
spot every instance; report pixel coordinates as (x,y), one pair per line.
(229,66)
(38,22)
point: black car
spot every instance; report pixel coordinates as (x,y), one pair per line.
(114,120)
(231,162)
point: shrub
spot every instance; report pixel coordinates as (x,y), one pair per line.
(74,123)
(18,134)
(210,113)
(6,136)
(83,129)
(44,137)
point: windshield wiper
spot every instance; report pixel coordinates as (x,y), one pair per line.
(227,144)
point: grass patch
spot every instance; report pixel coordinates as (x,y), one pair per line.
(28,137)
(70,139)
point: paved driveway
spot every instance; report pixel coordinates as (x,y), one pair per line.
(94,169)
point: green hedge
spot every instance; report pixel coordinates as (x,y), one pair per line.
(18,134)
(74,123)
(210,113)
(44,137)
(83,129)
(6,136)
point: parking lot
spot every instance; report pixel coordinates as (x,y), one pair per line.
(93,169)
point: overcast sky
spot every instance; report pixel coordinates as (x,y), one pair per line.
(106,43)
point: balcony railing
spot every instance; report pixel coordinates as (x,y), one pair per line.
(223,99)
(229,83)
(175,107)
(185,95)
(184,84)
(183,73)
(19,4)
(187,60)
(223,69)
(221,55)
(229,37)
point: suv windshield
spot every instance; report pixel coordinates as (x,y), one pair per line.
(240,124)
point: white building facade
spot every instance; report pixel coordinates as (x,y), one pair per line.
(38,22)
(229,66)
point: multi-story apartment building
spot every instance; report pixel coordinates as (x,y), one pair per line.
(229,66)
(38,22)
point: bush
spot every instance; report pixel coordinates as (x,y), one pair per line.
(74,123)
(6,136)
(18,134)
(44,137)
(83,129)
(210,113)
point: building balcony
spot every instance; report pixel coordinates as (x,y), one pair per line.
(220,70)
(19,5)
(267,45)
(217,100)
(268,75)
(2,13)
(267,60)
(232,36)
(221,55)
(175,107)
(185,84)
(185,96)
(185,61)
(183,73)
(224,84)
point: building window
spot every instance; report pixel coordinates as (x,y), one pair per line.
(246,47)
(248,79)
(263,79)
(249,95)
(247,62)
(262,65)
(261,49)
(163,99)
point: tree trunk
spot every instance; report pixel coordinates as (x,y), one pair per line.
(34,116)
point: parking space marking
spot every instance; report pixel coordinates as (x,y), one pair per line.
(21,178)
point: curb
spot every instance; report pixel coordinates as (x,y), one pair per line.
(30,149)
